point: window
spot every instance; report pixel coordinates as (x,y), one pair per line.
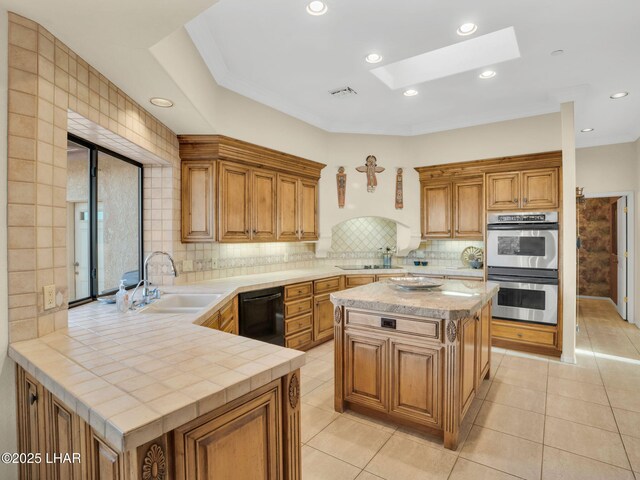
(104,220)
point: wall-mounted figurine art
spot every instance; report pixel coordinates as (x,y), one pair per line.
(341,180)
(370,169)
(399,195)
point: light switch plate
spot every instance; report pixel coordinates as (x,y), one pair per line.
(187,265)
(49,297)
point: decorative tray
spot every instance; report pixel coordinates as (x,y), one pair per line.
(415,282)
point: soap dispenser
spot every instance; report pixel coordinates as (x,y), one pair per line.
(122,298)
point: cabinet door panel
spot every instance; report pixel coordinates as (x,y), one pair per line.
(436,211)
(288,208)
(468,362)
(105,463)
(322,318)
(366,370)
(198,201)
(468,209)
(415,383)
(31,421)
(263,205)
(503,191)
(540,188)
(308,210)
(63,437)
(234,203)
(484,331)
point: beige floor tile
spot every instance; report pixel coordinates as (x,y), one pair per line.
(622,381)
(511,420)
(404,459)
(586,441)
(521,378)
(385,425)
(318,369)
(314,420)
(321,397)
(309,384)
(466,470)
(513,396)
(579,411)
(575,373)
(351,441)
(483,389)
(632,446)
(628,422)
(524,363)
(580,390)
(317,465)
(561,465)
(624,399)
(503,452)
(364,475)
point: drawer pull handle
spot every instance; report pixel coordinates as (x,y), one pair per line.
(33,398)
(388,323)
(519,335)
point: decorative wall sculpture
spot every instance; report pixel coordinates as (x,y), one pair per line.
(399,195)
(370,169)
(341,180)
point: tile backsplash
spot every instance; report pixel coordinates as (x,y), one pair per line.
(442,253)
(363,234)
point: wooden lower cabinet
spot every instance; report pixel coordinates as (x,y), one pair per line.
(366,367)
(322,318)
(254,437)
(225,319)
(528,337)
(468,361)
(351,281)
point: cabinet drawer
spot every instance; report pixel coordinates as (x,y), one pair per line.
(294,309)
(358,280)
(298,290)
(539,335)
(326,285)
(429,328)
(297,324)
(298,341)
(464,279)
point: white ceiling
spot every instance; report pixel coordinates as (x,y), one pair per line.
(277,54)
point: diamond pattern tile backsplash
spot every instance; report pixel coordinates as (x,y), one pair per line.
(441,253)
(363,234)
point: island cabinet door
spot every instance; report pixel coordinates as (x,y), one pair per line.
(468,362)
(366,370)
(243,443)
(415,382)
(322,318)
(484,342)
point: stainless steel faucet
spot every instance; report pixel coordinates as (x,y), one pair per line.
(146,293)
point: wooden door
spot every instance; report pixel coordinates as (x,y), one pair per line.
(366,369)
(322,318)
(30,423)
(244,443)
(436,211)
(540,188)
(415,382)
(263,205)
(468,362)
(288,208)
(198,201)
(468,208)
(503,191)
(105,464)
(62,437)
(484,342)
(308,210)
(234,212)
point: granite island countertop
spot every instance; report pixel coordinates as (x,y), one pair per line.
(453,300)
(136,375)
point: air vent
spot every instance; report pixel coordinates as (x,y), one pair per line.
(343,92)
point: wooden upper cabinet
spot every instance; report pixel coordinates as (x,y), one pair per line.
(540,188)
(198,201)
(503,191)
(288,207)
(308,210)
(436,211)
(263,205)
(468,211)
(234,211)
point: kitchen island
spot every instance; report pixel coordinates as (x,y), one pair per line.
(413,357)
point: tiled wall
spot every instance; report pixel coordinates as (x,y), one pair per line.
(442,253)
(47,83)
(363,234)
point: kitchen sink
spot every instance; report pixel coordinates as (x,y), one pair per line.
(182,303)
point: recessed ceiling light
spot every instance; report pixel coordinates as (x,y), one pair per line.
(410,92)
(317,8)
(555,53)
(373,58)
(467,29)
(487,74)
(161,102)
(586,130)
(619,95)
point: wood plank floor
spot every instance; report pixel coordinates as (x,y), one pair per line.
(536,418)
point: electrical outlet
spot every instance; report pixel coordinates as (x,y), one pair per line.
(187,265)
(49,297)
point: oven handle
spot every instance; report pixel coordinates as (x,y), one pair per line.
(262,299)
(536,280)
(523,226)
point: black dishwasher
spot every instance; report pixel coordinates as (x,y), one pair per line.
(261,315)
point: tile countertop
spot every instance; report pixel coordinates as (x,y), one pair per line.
(453,300)
(133,376)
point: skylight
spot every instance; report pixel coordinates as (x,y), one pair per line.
(476,53)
